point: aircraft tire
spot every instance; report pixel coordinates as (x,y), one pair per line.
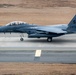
(49,39)
(21,39)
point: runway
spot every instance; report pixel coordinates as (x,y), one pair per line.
(46,56)
(13,40)
(61,50)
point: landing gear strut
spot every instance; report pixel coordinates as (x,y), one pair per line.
(21,39)
(49,39)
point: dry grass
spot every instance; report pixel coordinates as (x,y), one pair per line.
(37,69)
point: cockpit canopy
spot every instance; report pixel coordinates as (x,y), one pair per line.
(16,23)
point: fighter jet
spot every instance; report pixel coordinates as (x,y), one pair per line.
(37,31)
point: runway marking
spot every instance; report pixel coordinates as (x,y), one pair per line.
(38,53)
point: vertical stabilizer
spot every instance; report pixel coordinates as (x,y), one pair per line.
(72,25)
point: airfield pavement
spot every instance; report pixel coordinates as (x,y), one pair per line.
(13,40)
(60,48)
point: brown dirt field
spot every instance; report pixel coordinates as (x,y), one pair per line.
(45,16)
(37,69)
(39,3)
(42,12)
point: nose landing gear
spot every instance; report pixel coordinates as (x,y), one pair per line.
(21,39)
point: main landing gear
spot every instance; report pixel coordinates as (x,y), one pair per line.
(21,39)
(49,39)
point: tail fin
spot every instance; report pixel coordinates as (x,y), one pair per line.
(72,25)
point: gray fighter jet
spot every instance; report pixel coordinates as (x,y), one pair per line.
(36,31)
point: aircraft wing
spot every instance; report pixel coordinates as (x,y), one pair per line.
(52,30)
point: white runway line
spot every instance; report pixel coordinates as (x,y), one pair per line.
(38,53)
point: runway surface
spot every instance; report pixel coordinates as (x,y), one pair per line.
(13,40)
(61,50)
(46,56)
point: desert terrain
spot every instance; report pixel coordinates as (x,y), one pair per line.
(37,69)
(41,12)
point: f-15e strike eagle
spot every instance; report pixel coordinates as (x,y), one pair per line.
(36,31)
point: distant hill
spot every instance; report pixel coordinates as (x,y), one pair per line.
(38,3)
